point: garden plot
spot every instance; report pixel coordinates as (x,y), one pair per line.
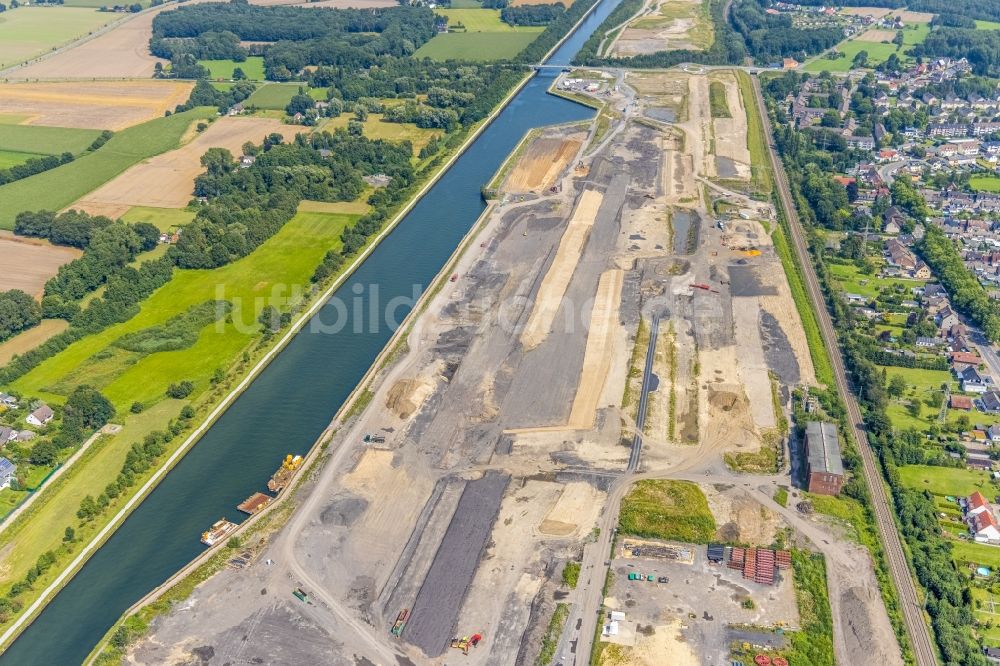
(166,180)
(110,105)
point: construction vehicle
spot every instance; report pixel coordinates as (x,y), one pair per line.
(454,276)
(704,287)
(375,439)
(300,594)
(397,627)
(466,642)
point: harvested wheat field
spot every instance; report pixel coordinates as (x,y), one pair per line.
(122,52)
(110,105)
(28,263)
(876,36)
(542,163)
(553,288)
(166,180)
(27,340)
(876,12)
(910,18)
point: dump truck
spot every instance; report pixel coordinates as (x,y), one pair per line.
(375,439)
(300,594)
(397,627)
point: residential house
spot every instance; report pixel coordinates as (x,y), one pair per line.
(929,343)
(974,382)
(947,318)
(247,161)
(7,435)
(861,142)
(990,402)
(984,527)
(993,433)
(825,469)
(899,255)
(40,416)
(922,271)
(7,399)
(976,504)
(8,473)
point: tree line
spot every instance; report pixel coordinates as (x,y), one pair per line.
(769,38)
(532,14)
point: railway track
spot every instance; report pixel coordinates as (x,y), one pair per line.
(913,615)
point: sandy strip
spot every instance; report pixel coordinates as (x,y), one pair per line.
(556,280)
(597,357)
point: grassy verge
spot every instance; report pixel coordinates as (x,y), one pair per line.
(717,100)
(57,188)
(663,509)
(635,368)
(781,496)
(761,176)
(571,574)
(551,639)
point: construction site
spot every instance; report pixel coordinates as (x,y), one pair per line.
(618,312)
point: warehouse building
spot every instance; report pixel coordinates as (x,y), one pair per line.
(825,471)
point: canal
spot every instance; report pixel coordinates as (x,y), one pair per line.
(292,401)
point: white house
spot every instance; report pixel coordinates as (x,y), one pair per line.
(40,416)
(984,527)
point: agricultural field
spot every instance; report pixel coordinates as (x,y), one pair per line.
(253,67)
(57,188)
(100,105)
(11,158)
(274,96)
(374,128)
(167,180)
(28,32)
(485,37)
(31,338)
(282,260)
(877,53)
(28,263)
(987,25)
(985,183)
(122,52)
(38,140)
(476,46)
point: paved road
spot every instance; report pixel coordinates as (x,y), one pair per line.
(647,380)
(913,615)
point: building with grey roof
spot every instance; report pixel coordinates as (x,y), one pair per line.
(825,468)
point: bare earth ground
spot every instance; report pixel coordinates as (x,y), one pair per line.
(28,340)
(466,513)
(731,133)
(94,104)
(27,263)
(166,181)
(542,163)
(915,17)
(649,33)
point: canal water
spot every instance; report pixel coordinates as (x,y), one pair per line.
(292,401)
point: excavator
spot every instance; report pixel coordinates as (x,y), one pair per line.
(466,642)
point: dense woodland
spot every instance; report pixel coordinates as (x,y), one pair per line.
(532,14)
(342,37)
(821,205)
(769,38)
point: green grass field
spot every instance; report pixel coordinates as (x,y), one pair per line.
(374,128)
(667,510)
(46,140)
(852,280)
(163,218)
(985,183)
(482,20)
(877,53)
(987,25)
(27,32)
(10,158)
(475,46)
(282,260)
(486,37)
(947,480)
(253,67)
(273,95)
(59,187)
